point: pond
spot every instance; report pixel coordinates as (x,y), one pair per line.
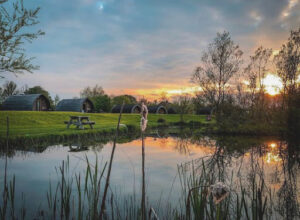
(171,162)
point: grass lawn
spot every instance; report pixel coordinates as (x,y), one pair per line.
(39,124)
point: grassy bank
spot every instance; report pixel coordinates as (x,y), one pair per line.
(45,124)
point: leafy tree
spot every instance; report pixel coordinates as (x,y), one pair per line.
(199,102)
(9,88)
(183,105)
(40,90)
(126,99)
(13,35)
(102,103)
(219,63)
(90,92)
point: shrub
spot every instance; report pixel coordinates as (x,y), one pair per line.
(161,120)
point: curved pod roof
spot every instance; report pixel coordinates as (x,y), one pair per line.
(128,108)
(157,109)
(23,102)
(73,105)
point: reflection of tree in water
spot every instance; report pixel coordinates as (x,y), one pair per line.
(38,145)
(79,147)
(23,151)
(288,204)
(227,149)
(265,171)
(182,145)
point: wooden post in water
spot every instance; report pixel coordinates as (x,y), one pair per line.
(144,120)
(7,131)
(143,203)
(110,165)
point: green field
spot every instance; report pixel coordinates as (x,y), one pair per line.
(40,124)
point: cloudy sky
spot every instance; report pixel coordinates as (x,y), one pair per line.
(144,47)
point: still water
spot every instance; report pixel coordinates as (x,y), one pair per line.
(34,169)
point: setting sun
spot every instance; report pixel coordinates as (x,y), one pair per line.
(273,84)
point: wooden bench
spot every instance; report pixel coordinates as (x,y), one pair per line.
(90,123)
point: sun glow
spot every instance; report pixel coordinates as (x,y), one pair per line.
(273,155)
(168,91)
(273,84)
(189,90)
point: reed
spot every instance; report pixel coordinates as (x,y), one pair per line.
(110,164)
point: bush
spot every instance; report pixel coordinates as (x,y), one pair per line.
(231,117)
(161,120)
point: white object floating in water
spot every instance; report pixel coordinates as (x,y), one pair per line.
(219,191)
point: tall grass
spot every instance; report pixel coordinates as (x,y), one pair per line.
(246,200)
(76,197)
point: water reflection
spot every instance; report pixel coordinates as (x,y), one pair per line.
(273,154)
(77,148)
(269,164)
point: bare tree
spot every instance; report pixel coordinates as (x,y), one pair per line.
(9,88)
(56,100)
(13,35)
(92,91)
(288,64)
(256,72)
(219,63)
(163,98)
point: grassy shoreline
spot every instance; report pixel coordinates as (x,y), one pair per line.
(28,126)
(38,128)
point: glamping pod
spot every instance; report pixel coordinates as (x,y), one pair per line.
(75,105)
(128,108)
(157,109)
(31,102)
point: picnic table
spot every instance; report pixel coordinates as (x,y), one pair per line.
(79,122)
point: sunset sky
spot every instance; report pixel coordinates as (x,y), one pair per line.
(144,47)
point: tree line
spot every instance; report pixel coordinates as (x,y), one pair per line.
(102,101)
(236,93)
